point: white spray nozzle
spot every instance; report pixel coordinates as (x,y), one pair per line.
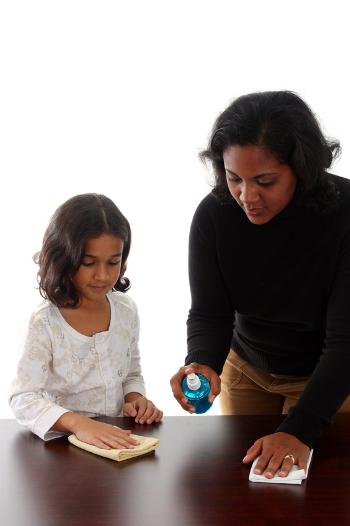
(193,382)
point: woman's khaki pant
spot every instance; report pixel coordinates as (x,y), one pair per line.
(247,390)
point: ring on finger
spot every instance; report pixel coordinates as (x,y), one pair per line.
(290,457)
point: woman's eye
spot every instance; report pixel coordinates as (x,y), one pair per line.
(265,183)
(87,263)
(235,180)
(114,263)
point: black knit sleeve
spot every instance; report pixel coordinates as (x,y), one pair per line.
(211,317)
(329,384)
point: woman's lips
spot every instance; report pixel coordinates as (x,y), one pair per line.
(254,211)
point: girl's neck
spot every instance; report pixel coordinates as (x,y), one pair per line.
(91,305)
(88,317)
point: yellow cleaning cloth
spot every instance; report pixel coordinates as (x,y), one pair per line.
(146,445)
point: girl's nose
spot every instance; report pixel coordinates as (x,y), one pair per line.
(101,272)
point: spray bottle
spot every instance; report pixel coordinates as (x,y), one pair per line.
(196,389)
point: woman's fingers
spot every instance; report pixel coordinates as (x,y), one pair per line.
(287,464)
(253,452)
(175,383)
(208,372)
(278,453)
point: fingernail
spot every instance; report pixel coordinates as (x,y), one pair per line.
(282,473)
(257,471)
(268,475)
(245,458)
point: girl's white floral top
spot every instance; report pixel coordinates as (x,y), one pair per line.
(63,370)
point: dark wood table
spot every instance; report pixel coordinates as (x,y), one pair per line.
(194,478)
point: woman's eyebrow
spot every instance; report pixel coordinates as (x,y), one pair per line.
(255,176)
(118,254)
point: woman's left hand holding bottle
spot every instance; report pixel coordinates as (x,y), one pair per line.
(208,372)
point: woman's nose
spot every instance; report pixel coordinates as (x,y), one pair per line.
(249,194)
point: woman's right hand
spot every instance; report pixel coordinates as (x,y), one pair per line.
(98,434)
(208,372)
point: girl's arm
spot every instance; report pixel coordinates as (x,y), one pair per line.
(33,406)
(136,404)
(134,382)
(98,434)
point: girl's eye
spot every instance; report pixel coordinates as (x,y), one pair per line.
(114,263)
(87,263)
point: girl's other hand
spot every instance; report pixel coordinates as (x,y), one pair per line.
(208,372)
(143,410)
(279,452)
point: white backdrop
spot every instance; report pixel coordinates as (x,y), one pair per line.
(119,98)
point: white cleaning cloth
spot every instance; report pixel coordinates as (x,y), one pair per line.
(295,476)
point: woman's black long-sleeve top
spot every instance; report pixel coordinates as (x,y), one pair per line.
(279,294)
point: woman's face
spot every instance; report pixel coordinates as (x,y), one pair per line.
(259,183)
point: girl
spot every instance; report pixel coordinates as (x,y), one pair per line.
(81,356)
(270,276)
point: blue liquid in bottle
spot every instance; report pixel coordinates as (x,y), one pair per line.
(196,389)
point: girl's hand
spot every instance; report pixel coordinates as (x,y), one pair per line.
(275,450)
(208,372)
(144,411)
(98,434)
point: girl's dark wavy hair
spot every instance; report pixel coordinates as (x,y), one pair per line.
(283,124)
(80,218)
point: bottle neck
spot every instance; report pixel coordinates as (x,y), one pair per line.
(193,382)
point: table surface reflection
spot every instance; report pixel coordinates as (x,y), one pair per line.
(195,477)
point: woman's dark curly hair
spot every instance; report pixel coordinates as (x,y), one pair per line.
(80,218)
(284,125)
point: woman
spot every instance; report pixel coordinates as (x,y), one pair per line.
(269,268)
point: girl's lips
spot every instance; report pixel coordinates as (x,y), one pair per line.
(99,287)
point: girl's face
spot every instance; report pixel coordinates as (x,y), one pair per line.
(100,267)
(259,183)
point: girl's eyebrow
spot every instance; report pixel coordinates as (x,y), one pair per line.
(255,177)
(118,254)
